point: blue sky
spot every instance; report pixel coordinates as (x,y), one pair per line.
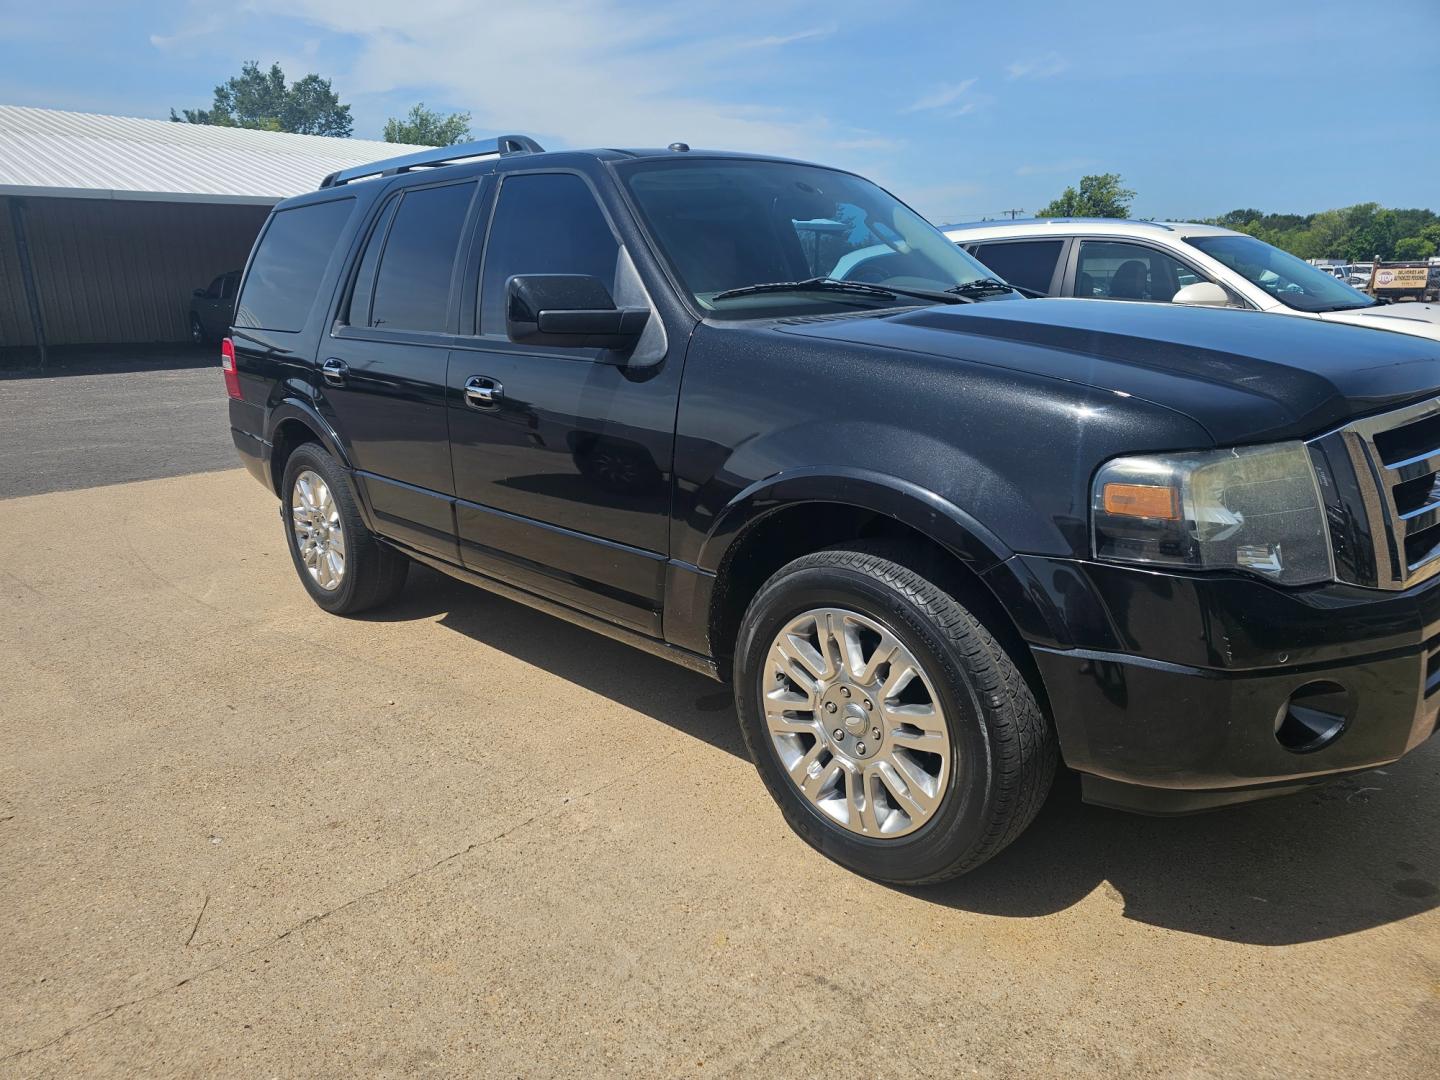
(963,109)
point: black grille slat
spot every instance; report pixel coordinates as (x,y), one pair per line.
(1409,442)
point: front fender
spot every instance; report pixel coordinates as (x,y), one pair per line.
(1030,606)
(902,500)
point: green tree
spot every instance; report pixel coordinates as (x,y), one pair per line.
(261,99)
(426,127)
(1414,247)
(1098,196)
(1372,232)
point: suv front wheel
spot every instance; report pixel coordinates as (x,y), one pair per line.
(897,735)
(343,567)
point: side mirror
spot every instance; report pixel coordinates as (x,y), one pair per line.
(199,294)
(569,310)
(1202,294)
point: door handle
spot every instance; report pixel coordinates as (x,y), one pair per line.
(483,392)
(334,371)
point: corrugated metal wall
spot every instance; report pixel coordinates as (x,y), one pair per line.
(118,271)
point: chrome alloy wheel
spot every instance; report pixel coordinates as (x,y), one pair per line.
(856,723)
(318,532)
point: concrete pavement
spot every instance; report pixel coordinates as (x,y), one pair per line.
(239,836)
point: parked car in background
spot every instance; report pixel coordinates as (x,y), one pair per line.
(1176,262)
(212,309)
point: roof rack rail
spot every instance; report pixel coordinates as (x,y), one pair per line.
(442,155)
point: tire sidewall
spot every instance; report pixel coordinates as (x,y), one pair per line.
(311,457)
(959,825)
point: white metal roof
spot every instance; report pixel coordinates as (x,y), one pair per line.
(91,156)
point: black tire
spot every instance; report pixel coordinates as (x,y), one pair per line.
(374,571)
(197,330)
(1002,746)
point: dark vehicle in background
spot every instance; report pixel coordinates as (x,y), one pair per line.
(212,308)
(938,536)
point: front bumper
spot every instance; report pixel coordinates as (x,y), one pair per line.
(1173,693)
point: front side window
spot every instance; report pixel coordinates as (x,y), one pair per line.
(727,225)
(545,223)
(1111,270)
(1027,263)
(412,285)
(1292,281)
(286,269)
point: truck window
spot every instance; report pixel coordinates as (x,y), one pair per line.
(545,223)
(412,287)
(286,269)
(1027,263)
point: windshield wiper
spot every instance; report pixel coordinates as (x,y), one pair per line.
(855,288)
(981,286)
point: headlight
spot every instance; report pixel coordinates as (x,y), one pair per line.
(1255,509)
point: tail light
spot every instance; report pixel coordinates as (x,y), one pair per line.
(227,365)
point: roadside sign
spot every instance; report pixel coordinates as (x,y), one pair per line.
(1401,277)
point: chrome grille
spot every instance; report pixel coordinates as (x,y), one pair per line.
(1396,457)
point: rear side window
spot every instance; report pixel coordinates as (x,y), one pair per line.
(286,270)
(412,287)
(545,223)
(1029,264)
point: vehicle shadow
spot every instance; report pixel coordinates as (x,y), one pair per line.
(1356,854)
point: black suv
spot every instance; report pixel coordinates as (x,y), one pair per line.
(760,418)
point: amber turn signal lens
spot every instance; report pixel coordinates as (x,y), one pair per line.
(1143,501)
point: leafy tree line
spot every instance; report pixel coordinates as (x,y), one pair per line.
(1357,233)
(310,106)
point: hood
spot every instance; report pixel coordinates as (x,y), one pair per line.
(1244,376)
(1422,320)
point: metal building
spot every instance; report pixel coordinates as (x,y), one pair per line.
(108,223)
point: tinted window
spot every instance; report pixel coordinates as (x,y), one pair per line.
(545,223)
(212,291)
(726,225)
(1030,264)
(412,289)
(227,286)
(358,311)
(1117,271)
(286,270)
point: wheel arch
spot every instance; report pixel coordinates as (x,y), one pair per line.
(809,509)
(291,424)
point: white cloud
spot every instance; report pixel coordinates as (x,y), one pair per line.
(790,39)
(576,72)
(943,95)
(1037,67)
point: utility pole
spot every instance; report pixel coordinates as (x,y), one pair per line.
(1014,213)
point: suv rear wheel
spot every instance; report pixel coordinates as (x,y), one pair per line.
(343,567)
(897,735)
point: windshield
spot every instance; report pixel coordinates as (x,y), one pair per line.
(1294,282)
(725,225)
